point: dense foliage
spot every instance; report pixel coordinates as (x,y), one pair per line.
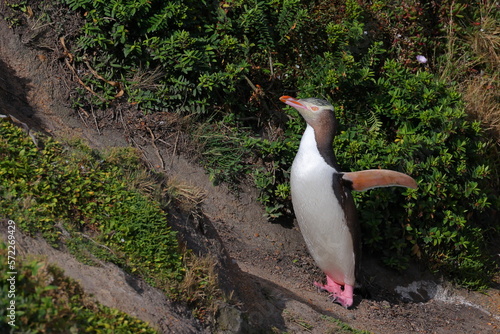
(104,206)
(182,56)
(86,195)
(227,63)
(48,302)
(398,116)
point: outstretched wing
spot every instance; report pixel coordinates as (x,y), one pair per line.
(376,178)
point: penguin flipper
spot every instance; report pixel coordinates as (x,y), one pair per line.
(376,178)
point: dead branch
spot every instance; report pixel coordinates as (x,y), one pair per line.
(153,139)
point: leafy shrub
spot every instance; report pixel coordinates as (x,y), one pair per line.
(45,192)
(180,56)
(47,301)
(394,115)
(394,118)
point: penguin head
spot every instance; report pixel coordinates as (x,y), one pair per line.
(313,110)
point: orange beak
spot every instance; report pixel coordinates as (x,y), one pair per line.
(292,102)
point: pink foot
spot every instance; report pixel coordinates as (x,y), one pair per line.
(342,295)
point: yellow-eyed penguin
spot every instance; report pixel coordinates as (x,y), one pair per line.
(322,200)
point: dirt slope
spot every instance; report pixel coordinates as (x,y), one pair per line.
(266,264)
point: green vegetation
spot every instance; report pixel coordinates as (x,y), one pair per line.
(183,56)
(416,124)
(100,206)
(48,302)
(224,64)
(343,327)
(83,193)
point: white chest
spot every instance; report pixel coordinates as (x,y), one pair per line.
(320,216)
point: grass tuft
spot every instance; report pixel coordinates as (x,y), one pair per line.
(482,96)
(200,286)
(186,195)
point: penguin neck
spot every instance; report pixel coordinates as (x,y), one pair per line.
(323,142)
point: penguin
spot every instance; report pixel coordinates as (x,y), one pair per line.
(322,199)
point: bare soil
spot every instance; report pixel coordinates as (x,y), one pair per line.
(266,265)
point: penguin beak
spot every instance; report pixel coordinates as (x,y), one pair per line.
(292,102)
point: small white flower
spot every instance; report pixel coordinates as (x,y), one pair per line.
(122,240)
(297,66)
(365,32)
(421,59)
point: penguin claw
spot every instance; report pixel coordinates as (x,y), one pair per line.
(335,299)
(339,299)
(338,294)
(342,300)
(321,287)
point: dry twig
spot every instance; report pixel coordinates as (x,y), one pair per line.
(153,139)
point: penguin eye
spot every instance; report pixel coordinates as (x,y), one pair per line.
(314,108)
